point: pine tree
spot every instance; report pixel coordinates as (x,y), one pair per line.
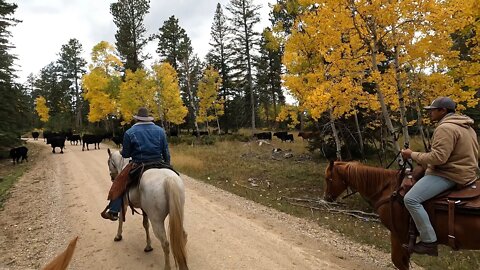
(72,67)
(128,16)
(173,42)
(245,40)
(11,95)
(218,58)
(268,77)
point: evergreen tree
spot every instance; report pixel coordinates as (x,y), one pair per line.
(244,17)
(268,77)
(128,16)
(56,91)
(218,58)
(72,68)
(13,99)
(173,42)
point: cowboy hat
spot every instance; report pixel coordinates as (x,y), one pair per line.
(142,115)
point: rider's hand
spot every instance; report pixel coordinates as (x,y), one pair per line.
(406,153)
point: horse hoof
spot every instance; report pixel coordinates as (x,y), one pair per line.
(117,238)
(148,249)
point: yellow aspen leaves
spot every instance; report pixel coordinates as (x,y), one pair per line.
(170,105)
(138,90)
(42,109)
(210,106)
(101,84)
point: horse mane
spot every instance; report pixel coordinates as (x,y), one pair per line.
(119,160)
(366,176)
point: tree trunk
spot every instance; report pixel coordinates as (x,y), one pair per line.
(403,116)
(381,99)
(335,136)
(420,123)
(360,137)
(190,94)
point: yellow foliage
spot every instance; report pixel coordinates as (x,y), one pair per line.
(101,84)
(138,90)
(210,106)
(170,104)
(289,114)
(42,109)
(331,53)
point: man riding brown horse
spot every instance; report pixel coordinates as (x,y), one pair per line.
(453,160)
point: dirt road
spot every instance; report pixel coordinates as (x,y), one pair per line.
(62,197)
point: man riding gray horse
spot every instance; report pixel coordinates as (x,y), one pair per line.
(144,142)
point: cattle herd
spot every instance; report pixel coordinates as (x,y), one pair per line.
(57,140)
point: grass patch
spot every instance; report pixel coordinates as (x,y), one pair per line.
(251,170)
(10,173)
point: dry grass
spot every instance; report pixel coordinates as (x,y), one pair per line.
(248,169)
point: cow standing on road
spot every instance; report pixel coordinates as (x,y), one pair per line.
(19,154)
(35,135)
(91,139)
(56,141)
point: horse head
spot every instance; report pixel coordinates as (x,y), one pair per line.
(116,163)
(335,184)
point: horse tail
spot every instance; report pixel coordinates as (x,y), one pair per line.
(178,239)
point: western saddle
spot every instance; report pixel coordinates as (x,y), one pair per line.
(458,200)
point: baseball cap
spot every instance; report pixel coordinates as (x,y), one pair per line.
(442,102)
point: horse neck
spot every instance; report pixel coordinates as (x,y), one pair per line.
(370,182)
(122,162)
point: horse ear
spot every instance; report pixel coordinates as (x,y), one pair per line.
(109,153)
(332,161)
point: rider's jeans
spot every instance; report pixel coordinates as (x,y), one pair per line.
(426,188)
(116,205)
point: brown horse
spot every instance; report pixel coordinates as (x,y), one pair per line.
(376,185)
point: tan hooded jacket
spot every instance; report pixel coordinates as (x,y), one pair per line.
(454,151)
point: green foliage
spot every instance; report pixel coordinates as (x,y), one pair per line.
(72,67)
(173,43)
(128,16)
(245,16)
(218,58)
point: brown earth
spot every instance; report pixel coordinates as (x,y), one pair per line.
(62,196)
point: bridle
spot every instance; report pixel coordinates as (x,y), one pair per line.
(350,191)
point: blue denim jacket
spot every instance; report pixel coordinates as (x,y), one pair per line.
(145,142)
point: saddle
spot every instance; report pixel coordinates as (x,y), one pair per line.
(130,176)
(464,200)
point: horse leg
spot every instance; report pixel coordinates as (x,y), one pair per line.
(146,225)
(400,256)
(159,231)
(118,237)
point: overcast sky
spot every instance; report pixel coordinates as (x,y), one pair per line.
(48,24)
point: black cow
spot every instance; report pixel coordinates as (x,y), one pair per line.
(118,140)
(284,136)
(35,135)
(56,141)
(173,132)
(91,139)
(200,133)
(280,134)
(19,153)
(74,138)
(263,136)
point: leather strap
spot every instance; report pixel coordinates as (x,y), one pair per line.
(451,224)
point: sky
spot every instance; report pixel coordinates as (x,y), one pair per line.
(48,24)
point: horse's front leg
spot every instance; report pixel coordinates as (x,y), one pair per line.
(400,256)
(118,237)
(146,225)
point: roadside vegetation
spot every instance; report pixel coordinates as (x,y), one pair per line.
(10,173)
(293,185)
